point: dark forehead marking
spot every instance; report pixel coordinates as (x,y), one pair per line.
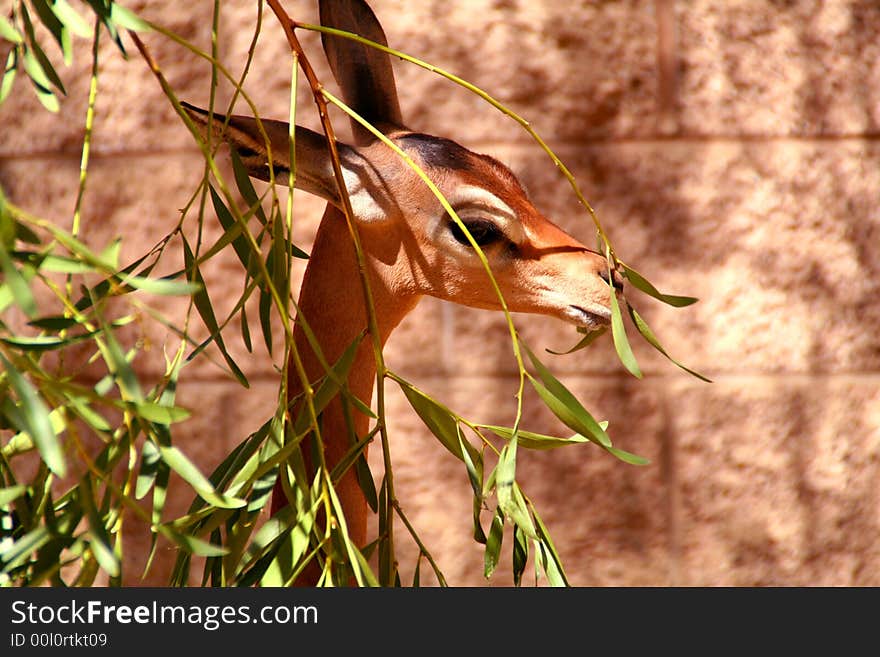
(438,152)
(442,153)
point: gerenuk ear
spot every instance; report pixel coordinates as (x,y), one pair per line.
(314,169)
(364,73)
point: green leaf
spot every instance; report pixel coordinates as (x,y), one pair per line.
(8,75)
(11,493)
(35,343)
(110,254)
(71,19)
(245,186)
(51,22)
(162,286)
(150,460)
(641,283)
(442,422)
(520,554)
(532,440)
(509,497)
(17,284)
(265,312)
(232,228)
(626,457)
(550,560)
(8,31)
(160,413)
(40,69)
(474,466)
(120,366)
(127,19)
(192,544)
(203,304)
(245,330)
(15,554)
(99,538)
(565,405)
(65,265)
(648,334)
(37,422)
(584,342)
(22,231)
(493,544)
(54,323)
(621,344)
(178,462)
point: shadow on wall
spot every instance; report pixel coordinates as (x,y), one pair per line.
(788,211)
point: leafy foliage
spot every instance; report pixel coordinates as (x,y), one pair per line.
(81,454)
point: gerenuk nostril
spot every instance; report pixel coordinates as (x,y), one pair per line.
(615,279)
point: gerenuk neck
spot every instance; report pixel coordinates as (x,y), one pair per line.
(332,302)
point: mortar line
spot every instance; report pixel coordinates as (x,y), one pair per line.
(562,144)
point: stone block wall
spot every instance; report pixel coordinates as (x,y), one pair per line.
(731,152)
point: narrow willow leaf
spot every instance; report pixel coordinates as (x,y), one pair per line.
(89,415)
(520,554)
(41,71)
(127,19)
(329,387)
(278,260)
(621,343)
(51,22)
(54,323)
(150,460)
(36,343)
(553,564)
(509,498)
(493,544)
(120,367)
(532,440)
(103,554)
(505,476)
(265,312)
(584,342)
(65,265)
(645,286)
(161,414)
(178,462)
(245,186)
(15,554)
(203,305)
(246,331)
(162,286)
(99,538)
(110,254)
(11,493)
(71,19)
(564,404)
(8,31)
(232,227)
(9,72)
(35,415)
(17,284)
(442,422)
(626,457)
(192,544)
(648,334)
(474,466)
(24,233)
(417,574)
(521,513)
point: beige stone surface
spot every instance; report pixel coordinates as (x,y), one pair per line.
(732,157)
(758,68)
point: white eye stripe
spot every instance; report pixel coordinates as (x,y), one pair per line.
(504,216)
